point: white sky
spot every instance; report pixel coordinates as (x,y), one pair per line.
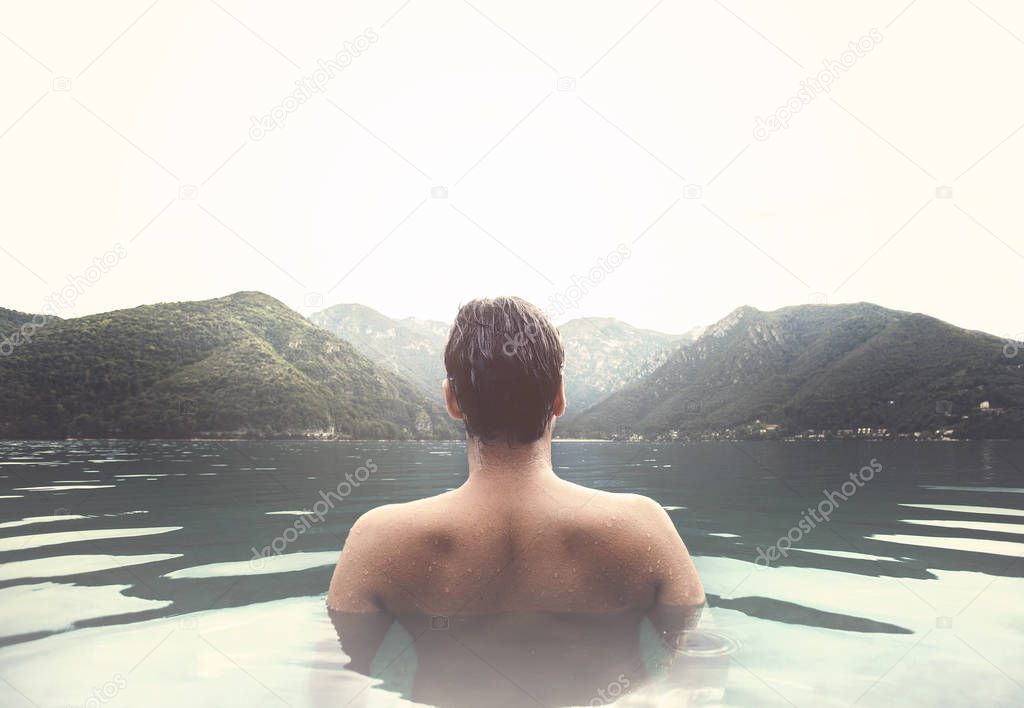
(335,205)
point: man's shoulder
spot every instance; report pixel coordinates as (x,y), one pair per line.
(379,545)
(583,509)
(618,519)
(401,517)
(636,505)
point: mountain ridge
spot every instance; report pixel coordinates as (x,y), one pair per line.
(602,353)
(241,365)
(247,365)
(821,367)
(10,320)
(409,347)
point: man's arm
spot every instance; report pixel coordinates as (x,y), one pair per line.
(679,595)
(352,599)
(678,584)
(354,583)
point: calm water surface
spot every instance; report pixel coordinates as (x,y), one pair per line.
(193,573)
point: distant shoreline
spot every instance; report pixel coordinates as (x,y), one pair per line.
(462,441)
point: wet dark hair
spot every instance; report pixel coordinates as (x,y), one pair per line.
(504,361)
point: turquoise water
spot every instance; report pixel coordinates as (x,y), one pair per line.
(171,573)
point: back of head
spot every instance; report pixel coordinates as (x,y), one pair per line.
(504,361)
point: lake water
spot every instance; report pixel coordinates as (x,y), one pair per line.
(185,573)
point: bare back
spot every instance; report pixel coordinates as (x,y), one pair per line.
(543,545)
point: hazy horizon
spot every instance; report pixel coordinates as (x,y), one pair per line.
(559,322)
(170,140)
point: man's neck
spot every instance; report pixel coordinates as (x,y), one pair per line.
(500,465)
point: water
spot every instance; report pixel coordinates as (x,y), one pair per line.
(185,573)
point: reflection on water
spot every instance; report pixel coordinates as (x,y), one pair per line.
(1012,549)
(39,520)
(64,537)
(287,563)
(59,566)
(54,606)
(193,573)
(548,659)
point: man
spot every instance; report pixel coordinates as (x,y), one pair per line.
(514,540)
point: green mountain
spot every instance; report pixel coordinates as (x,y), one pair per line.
(821,368)
(408,347)
(10,320)
(243,365)
(601,354)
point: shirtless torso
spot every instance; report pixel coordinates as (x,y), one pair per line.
(538,584)
(515,543)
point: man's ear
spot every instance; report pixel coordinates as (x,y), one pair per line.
(450,402)
(558,405)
